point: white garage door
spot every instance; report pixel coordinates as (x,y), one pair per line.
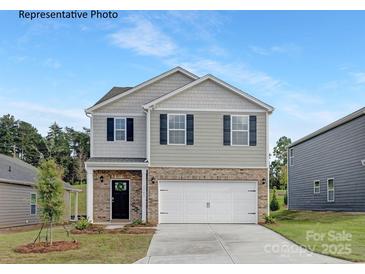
(207,202)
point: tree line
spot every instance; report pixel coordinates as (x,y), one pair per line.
(68,147)
(279,166)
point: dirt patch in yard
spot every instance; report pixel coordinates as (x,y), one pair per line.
(43,247)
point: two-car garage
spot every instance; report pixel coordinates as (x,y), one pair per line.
(201,201)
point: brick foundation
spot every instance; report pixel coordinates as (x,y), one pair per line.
(205,174)
(102,193)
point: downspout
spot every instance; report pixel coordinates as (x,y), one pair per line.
(148,134)
(89,178)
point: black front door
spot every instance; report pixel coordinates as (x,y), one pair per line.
(120,199)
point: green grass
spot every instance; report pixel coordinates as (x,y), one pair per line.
(297,225)
(101,248)
(82,199)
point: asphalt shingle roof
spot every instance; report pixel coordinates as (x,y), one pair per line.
(112,93)
(13,169)
(116,160)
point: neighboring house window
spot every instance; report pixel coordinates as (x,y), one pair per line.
(330,190)
(119,129)
(291,157)
(33,203)
(239,130)
(176,129)
(317,187)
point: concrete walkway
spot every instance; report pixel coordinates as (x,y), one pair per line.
(225,244)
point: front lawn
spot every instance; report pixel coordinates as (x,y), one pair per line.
(337,234)
(100,248)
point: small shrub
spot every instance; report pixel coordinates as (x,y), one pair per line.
(286,198)
(82,224)
(137,222)
(269,219)
(274,204)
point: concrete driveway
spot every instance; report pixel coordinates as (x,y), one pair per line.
(225,244)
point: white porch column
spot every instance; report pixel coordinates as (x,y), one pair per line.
(76,206)
(89,194)
(144,196)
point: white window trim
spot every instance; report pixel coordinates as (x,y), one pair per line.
(314,187)
(168,129)
(291,158)
(115,129)
(328,200)
(30,203)
(241,130)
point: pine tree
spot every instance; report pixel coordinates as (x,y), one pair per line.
(274,204)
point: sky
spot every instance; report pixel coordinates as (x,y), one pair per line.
(309,65)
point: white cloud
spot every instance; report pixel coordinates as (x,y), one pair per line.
(42,116)
(52,63)
(238,72)
(144,38)
(281,49)
(359,77)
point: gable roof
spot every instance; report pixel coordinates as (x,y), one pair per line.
(112,93)
(335,124)
(219,82)
(142,85)
(16,171)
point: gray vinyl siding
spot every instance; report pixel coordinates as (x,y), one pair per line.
(208,94)
(15,205)
(103,148)
(208,149)
(133,103)
(334,154)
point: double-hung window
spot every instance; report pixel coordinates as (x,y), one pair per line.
(291,157)
(119,129)
(317,187)
(33,203)
(239,130)
(330,190)
(176,125)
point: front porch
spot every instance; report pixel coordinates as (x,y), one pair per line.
(118,190)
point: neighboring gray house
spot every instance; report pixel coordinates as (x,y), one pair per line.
(18,194)
(178,148)
(327,168)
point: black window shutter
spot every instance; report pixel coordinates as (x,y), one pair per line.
(163,129)
(130,129)
(189,129)
(226,130)
(253,131)
(110,129)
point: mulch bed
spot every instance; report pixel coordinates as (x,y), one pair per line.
(124,230)
(140,225)
(43,247)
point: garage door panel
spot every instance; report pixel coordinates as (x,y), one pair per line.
(208,202)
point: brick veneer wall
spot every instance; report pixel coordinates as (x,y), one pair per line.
(205,174)
(102,193)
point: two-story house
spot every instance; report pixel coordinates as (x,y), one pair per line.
(178,148)
(327,167)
